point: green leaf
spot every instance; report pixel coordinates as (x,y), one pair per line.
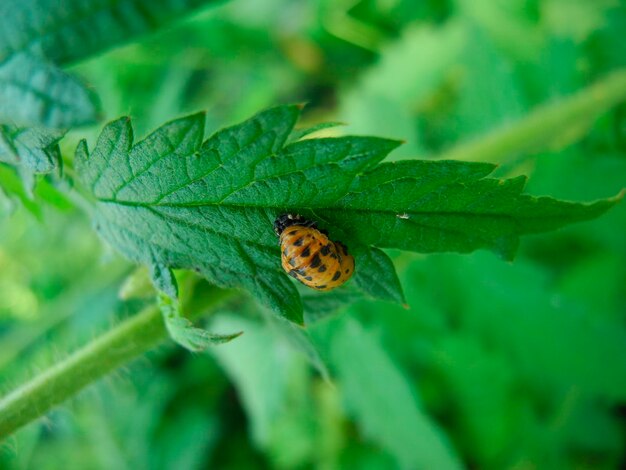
(436,206)
(484,68)
(377,276)
(260,367)
(318,305)
(533,319)
(381,399)
(182,330)
(178,201)
(34,92)
(69,30)
(388,95)
(31,150)
(486,415)
(214,212)
(163,279)
(299,339)
(35,148)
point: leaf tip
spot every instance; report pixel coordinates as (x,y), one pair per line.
(392,144)
(198,116)
(603,205)
(120,125)
(82,150)
(232,336)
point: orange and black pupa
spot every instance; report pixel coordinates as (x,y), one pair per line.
(308,255)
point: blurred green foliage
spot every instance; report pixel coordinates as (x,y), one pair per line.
(493,365)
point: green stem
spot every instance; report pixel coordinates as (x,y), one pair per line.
(123,343)
(545,124)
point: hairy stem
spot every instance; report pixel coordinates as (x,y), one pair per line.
(123,343)
(541,127)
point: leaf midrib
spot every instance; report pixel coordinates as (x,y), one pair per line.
(340,209)
(207,229)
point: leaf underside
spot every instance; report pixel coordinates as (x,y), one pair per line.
(34,92)
(182,331)
(31,150)
(179,201)
(65,31)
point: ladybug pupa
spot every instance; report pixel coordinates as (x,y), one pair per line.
(308,255)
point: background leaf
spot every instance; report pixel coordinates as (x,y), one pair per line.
(37,36)
(263,378)
(69,30)
(34,92)
(383,403)
(32,151)
(371,105)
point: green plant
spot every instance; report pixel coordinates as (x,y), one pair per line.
(204,206)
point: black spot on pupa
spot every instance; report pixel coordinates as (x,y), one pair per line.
(316,261)
(293,273)
(285,251)
(299,242)
(292,232)
(336,275)
(322,268)
(292,261)
(301,271)
(308,278)
(325,250)
(347,271)
(321,287)
(306,252)
(333,256)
